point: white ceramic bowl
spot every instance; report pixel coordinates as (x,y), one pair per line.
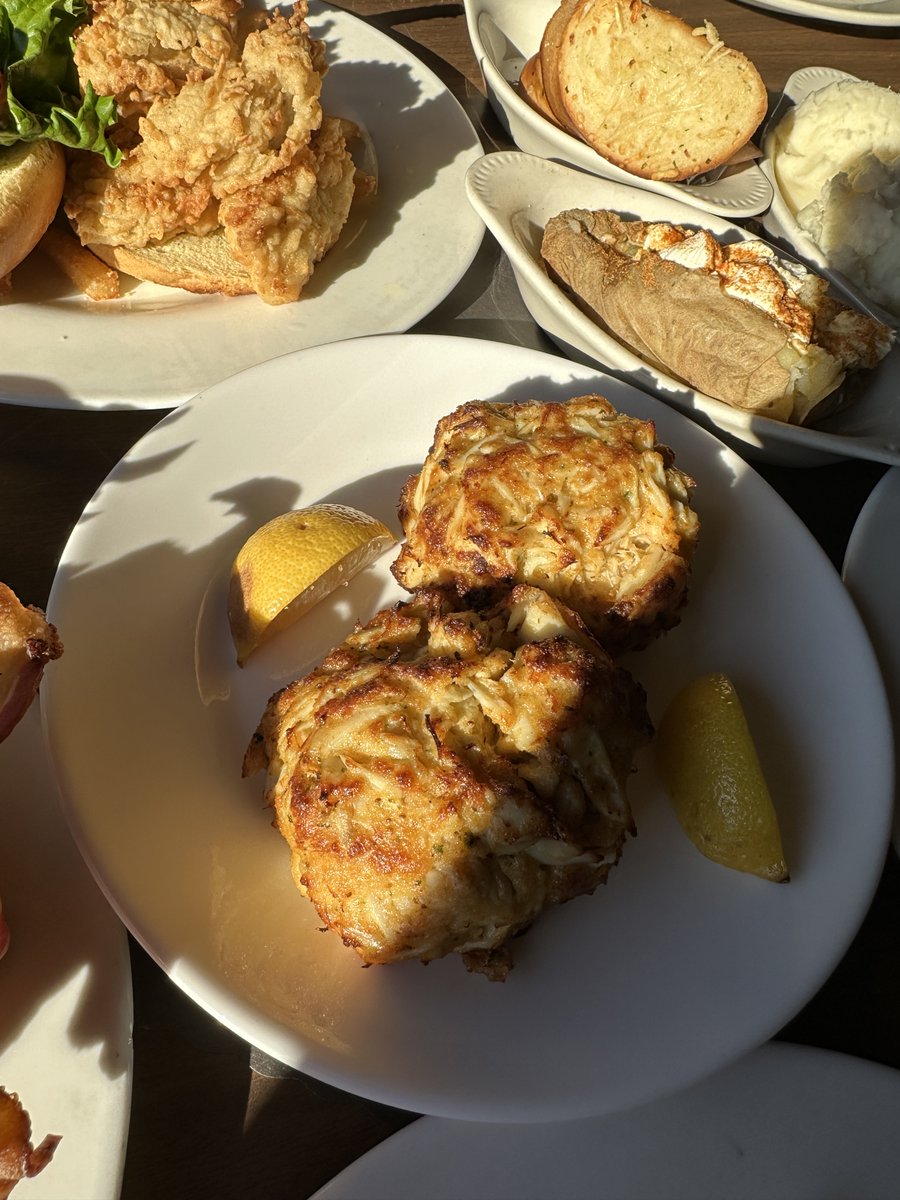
(516,194)
(504,34)
(780,222)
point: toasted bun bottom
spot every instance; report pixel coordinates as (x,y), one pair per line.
(195,264)
(31,184)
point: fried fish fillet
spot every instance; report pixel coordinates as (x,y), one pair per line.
(219,132)
(241,124)
(224,138)
(444,776)
(137,52)
(575,498)
(280,228)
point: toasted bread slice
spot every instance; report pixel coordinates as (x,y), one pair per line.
(531,84)
(549,60)
(651,94)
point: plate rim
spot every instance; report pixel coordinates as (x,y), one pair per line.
(415,1140)
(812,11)
(25,756)
(851,573)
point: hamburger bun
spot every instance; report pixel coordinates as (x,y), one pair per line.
(31,184)
(204,265)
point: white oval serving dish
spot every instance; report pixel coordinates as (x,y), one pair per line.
(516,194)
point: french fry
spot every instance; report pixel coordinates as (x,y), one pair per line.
(84,269)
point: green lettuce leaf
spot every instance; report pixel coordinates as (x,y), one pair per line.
(40,95)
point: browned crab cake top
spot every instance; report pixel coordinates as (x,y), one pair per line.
(575,498)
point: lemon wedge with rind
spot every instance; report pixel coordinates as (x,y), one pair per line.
(292,562)
(709,763)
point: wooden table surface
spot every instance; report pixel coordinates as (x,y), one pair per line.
(211,1118)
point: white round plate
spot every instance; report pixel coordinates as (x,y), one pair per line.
(158,346)
(735,1135)
(504,35)
(871,571)
(779,221)
(65,986)
(843,12)
(516,194)
(673,969)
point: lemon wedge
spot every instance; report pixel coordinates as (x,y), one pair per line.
(294,561)
(707,758)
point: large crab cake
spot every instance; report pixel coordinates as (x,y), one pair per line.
(575,498)
(443,776)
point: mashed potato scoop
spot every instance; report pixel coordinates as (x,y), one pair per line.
(836,157)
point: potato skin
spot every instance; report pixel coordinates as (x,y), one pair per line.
(677,319)
(733,320)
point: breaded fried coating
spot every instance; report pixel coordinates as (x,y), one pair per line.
(242,124)
(279,229)
(222,136)
(111,208)
(19,1159)
(575,498)
(137,52)
(216,135)
(226,11)
(444,776)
